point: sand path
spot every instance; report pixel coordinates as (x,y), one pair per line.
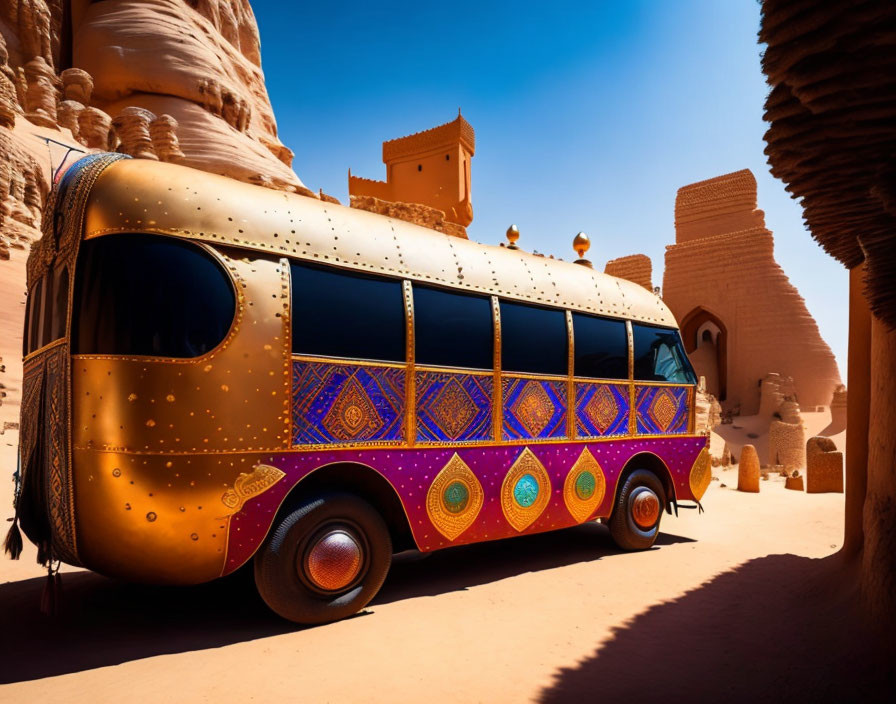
(494,623)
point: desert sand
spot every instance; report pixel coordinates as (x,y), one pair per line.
(726,602)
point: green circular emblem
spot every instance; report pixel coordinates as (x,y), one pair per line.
(585,484)
(457,496)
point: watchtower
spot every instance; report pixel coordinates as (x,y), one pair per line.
(431,168)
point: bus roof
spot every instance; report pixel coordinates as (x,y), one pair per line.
(138,195)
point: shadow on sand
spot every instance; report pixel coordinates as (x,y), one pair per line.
(777,628)
(103,622)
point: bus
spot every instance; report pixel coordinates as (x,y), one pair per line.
(216,372)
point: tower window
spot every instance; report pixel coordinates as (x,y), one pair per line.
(419,167)
(447,157)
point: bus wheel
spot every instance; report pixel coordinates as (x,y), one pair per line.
(635,521)
(325,560)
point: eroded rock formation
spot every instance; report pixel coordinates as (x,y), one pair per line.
(131,126)
(197,62)
(761,323)
(839,403)
(707,410)
(104,71)
(24,183)
(635,268)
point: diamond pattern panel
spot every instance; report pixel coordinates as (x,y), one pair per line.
(453,407)
(662,410)
(534,409)
(601,409)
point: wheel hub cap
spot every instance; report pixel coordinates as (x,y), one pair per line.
(334,561)
(645,508)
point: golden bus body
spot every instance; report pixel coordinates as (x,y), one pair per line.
(286,438)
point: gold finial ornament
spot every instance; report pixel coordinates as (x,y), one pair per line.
(513,234)
(582,244)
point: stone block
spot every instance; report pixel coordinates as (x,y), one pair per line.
(824,467)
(795,483)
(748,470)
(786,445)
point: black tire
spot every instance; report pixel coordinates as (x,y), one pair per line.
(625,531)
(281,565)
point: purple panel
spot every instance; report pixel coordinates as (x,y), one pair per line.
(662,410)
(411,472)
(534,409)
(601,409)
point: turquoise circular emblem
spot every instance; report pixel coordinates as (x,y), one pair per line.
(526,490)
(456,497)
(585,486)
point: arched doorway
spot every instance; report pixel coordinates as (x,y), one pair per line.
(706,342)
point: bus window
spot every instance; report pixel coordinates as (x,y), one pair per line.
(33,331)
(452,329)
(46,311)
(533,339)
(60,303)
(341,314)
(601,347)
(660,356)
(149,295)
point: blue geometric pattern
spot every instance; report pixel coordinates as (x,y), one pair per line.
(453,407)
(534,409)
(601,409)
(662,410)
(344,403)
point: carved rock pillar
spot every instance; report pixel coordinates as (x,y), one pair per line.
(857,410)
(132,127)
(879,515)
(93,129)
(40,94)
(77,85)
(163,132)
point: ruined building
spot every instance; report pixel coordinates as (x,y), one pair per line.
(427,179)
(635,268)
(740,316)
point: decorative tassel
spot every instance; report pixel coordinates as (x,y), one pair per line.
(13,543)
(43,553)
(51,598)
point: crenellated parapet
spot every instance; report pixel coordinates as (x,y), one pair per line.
(429,169)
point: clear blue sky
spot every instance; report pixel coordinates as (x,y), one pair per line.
(588,116)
